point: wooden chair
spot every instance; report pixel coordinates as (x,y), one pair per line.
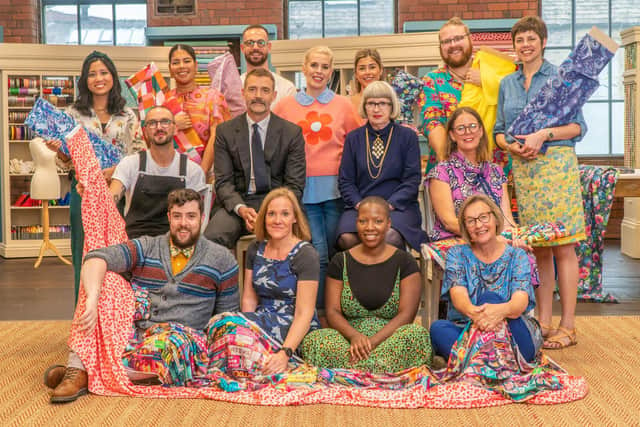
(431,271)
(241,251)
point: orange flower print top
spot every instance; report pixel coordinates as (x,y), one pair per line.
(324,126)
(315,127)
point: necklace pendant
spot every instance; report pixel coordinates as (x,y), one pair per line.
(378,148)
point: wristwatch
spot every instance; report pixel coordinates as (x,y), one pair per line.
(549,136)
(287,351)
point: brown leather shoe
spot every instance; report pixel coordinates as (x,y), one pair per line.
(53,375)
(74,384)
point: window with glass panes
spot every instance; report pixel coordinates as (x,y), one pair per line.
(339,18)
(567,21)
(97,22)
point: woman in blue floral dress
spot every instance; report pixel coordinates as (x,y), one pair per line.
(281,277)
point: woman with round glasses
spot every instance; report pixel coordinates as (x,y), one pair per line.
(548,185)
(381,158)
(466,171)
(486,282)
(367,68)
(203,108)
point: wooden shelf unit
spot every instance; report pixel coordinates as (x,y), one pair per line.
(56,69)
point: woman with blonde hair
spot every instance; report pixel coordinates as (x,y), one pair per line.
(325,119)
(367,68)
(281,277)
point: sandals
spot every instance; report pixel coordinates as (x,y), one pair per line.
(547,329)
(563,338)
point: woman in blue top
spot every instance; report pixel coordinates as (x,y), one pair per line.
(547,184)
(281,276)
(485,282)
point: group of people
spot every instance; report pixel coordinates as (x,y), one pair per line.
(311,173)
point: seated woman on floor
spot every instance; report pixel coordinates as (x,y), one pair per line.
(281,277)
(466,171)
(485,282)
(372,295)
(381,158)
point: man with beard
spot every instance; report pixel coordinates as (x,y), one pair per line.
(147,177)
(180,281)
(255,153)
(442,87)
(256,48)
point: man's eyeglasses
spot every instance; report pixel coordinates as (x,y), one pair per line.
(152,124)
(471,221)
(373,105)
(451,40)
(462,129)
(251,43)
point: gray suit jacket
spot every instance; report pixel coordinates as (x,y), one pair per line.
(283,154)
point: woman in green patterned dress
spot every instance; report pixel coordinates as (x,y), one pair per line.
(372,296)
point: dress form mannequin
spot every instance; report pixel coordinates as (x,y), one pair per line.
(45,186)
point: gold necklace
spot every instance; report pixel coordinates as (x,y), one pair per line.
(370,160)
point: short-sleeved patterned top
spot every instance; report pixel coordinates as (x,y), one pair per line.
(465,180)
(506,275)
(206,107)
(439,98)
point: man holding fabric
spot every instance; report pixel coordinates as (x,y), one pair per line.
(179,280)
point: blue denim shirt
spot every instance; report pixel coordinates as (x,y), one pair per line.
(513,97)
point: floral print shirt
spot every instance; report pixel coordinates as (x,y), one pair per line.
(122,130)
(439,98)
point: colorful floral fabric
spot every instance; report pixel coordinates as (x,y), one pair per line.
(50,123)
(598,185)
(439,98)
(409,345)
(492,360)
(465,180)
(561,98)
(408,88)
(548,190)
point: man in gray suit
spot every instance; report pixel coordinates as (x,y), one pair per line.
(254,153)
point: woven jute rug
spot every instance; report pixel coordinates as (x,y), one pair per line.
(607,355)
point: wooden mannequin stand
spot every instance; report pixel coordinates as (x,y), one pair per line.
(46,243)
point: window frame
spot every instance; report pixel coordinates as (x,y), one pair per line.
(78,4)
(394,17)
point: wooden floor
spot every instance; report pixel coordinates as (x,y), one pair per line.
(46,293)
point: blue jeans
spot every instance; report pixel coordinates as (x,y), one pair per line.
(445,333)
(323,221)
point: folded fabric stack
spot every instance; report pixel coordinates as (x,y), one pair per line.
(538,232)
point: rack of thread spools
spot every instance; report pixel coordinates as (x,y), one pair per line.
(23,91)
